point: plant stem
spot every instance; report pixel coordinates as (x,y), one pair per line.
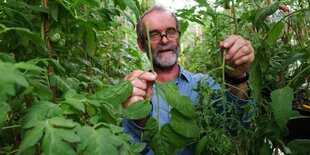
(49,48)
(234,16)
(149,47)
(153,71)
(10,127)
(290,82)
(223,85)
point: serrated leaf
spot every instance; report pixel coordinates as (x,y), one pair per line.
(183,126)
(109,114)
(54,11)
(90,2)
(53,143)
(4,109)
(56,65)
(29,66)
(31,138)
(173,138)
(299,146)
(90,41)
(75,100)
(180,102)
(132,5)
(61,122)
(138,110)
(161,145)
(99,141)
(115,95)
(57,81)
(12,75)
(275,33)
(151,127)
(137,148)
(199,149)
(262,13)
(37,112)
(282,105)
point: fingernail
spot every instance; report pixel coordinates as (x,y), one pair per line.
(225,44)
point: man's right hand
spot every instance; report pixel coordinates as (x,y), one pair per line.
(142,86)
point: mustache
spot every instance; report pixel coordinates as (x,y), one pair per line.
(166,48)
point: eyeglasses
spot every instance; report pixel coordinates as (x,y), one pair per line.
(170,35)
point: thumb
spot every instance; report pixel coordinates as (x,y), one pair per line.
(149,90)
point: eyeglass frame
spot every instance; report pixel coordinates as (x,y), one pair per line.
(163,35)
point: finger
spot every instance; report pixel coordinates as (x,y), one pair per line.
(141,84)
(243,60)
(141,75)
(235,48)
(149,90)
(228,42)
(132,100)
(138,92)
(243,51)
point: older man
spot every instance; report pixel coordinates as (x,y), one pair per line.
(164,32)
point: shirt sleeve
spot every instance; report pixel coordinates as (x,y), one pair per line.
(133,129)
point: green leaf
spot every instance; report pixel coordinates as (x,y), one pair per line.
(29,66)
(282,105)
(184,26)
(53,143)
(59,82)
(4,109)
(151,127)
(262,13)
(32,136)
(178,101)
(61,122)
(12,75)
(120,3)
(293,57)
(75,100)
(183,126)
(200,148)
(100,141)
(132,5)
(109,114)
(54,11)
(138,110)
(39,111)
(160,144)
(115,95)
(90,2)
(55,63)
(275,33)
(299,146)
(256,80)
(137,147)
(176,140)
(90,41)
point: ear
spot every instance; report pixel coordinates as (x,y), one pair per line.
(139,41)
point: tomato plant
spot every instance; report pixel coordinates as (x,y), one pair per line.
(62,64)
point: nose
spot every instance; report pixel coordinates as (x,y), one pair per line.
(164,40)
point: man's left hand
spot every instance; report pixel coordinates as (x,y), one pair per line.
(240,55)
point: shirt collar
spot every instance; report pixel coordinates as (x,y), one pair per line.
(183,74)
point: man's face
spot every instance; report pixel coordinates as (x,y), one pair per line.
(164,53)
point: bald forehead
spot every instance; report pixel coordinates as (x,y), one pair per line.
(159,19)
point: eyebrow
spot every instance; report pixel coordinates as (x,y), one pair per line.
(157,31)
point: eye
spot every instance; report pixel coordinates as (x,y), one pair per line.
(154,34)
(171,31)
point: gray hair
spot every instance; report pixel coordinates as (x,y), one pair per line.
(139,27)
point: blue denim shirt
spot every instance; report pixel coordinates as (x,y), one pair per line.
(187,83)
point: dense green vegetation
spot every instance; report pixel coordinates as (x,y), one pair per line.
(62,64)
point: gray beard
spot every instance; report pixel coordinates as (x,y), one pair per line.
(167,61)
